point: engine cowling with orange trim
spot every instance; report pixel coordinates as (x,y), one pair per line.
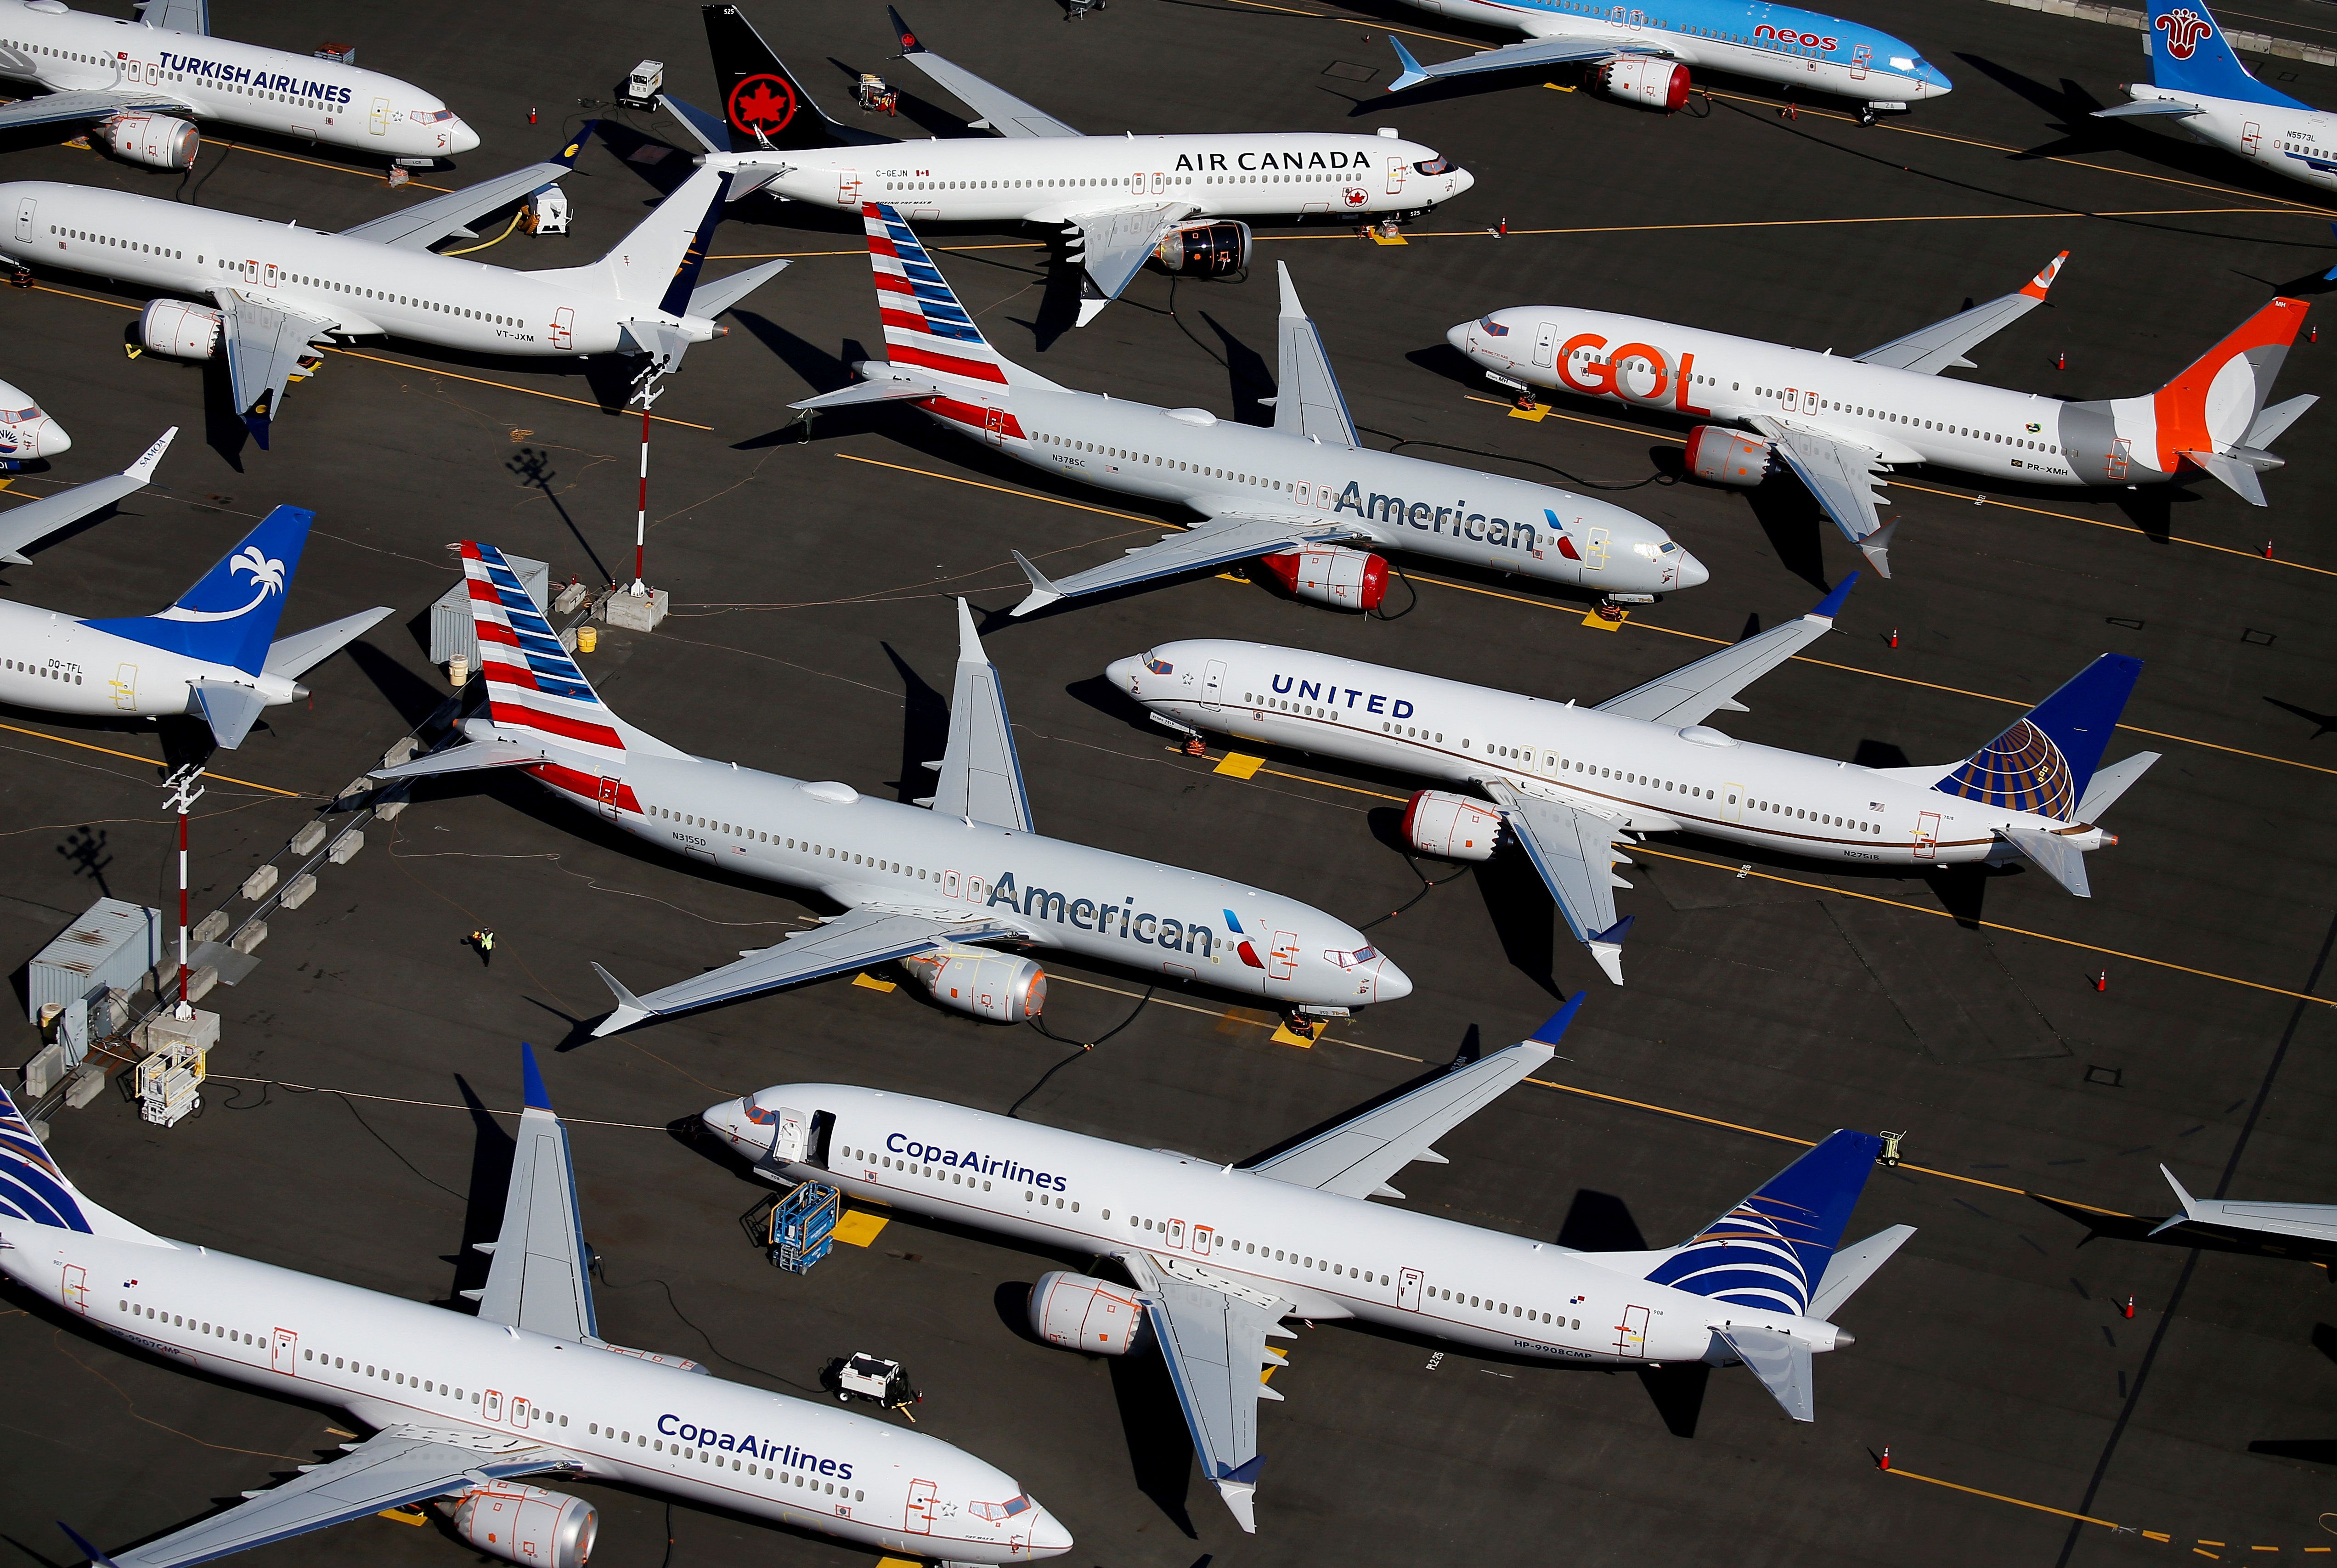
(1333,575)
(527,1524)
(996,987)
(180,330)
(1644,80)
(1211,248)
(157,141)
(1452,827)
(1082,1312)
(1720,457)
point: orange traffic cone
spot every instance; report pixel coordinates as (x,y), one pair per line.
(1885,1463)
(2129,1305)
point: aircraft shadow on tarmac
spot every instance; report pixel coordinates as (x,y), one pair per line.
(1602,1223)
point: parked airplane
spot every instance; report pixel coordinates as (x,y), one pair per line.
(210,654)
(1841,424)
(1219,1255)
(1644,59)
(134,79)
(1121,201)
(25,526)
(2196,81)
(2313,1226)
(456,1402)
(27,431)
(1300,493)
(932,888)
(275,288)
(1570,784)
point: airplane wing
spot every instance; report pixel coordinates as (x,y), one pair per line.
(1001,111)
(2317,1222)
(96,104)
(1841,475)
(1942,345)
(538,1279)
(396,1466)
(1573,850)
(1233,537)
(1115,242)
(36,520)
(177,15)
(265,345)
(1307,400)
(1214,1342)
(294,656)
(1693,692)
(850,941)
(1533,52)
(1356,1158)
(424,224)
(981,775)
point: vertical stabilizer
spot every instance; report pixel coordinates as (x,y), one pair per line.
(927,328)
(1771,1250)
(535,692)
(660,259)
(2189,53)
(34,1188)
(2045,762)
(230,616)
(762,103)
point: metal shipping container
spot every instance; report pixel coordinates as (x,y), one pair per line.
(451,636)
(113,943)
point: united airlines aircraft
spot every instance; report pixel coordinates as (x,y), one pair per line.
(2197,81)
(1216,1257)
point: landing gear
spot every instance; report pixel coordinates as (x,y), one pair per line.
(1866,115)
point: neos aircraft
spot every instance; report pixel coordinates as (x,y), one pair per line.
(1303,494)
(2196,81)
(27,433)
(456,1403)
(1644,59)
(275,288)
(25,526)
(929,885)
(208,654)
(1122,201)
(135,79)
(1570,784)
(1840,424)
(1219,1255)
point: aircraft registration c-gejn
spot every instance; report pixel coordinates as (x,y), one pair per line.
(458,1405)
(1568,785)
(931,886)
(1840,424)
(1303,494)
(140,82)
(1123,201)
(1219,1255)
(1644,59)
(2196,81)
(275,288)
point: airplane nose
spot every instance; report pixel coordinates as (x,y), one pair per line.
(1048,1536)
(725,1119)
(1392,983)
(51,440)
(1121,672)
(1459,335)
(1462,181)
(462,137)
(1693,572)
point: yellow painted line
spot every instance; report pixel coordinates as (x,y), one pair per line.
(319,164)
(858,1228)
(2000,1497)
(149,762)
(872,984)
(1238,765)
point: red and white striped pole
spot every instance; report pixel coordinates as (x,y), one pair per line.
(642,514)
(184,794)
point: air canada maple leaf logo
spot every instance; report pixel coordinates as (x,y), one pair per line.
(2183,30)
(764,103)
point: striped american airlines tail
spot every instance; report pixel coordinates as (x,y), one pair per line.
(535,692)
(930,334)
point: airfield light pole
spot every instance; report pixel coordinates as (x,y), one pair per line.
(185,789)
(641,511)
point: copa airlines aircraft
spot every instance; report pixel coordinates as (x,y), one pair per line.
(456,1403)
(2197,81)
(1122,201)
(1219,1255)
(1303,494)
(1646,59)
(275,288)
(1568,784)
(928,888)
(208,654)
(1841,424)
(136,79)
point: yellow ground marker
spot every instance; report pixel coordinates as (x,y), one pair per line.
(1238,765)
(1285,1035)
(858,1228)
(1380,239)
(1536,413)
(898,1562)
(405,1515)
(1599,622)
(865,978)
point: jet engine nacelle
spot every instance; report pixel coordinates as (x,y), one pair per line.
(1082,1312)
(1644,80)
(1333,575)
(180,330)
(1452,827)
(527,1524)
(157,141)
(1720,457)
(1211,248)
(998,986)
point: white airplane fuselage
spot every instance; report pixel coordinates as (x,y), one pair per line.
(54,662)
(2297,142)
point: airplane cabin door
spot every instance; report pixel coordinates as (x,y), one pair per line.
(284,1351)
(993,424)
(1546,345)
(492,1405)
(1407,1288)
(1731,802)
(1395,175)
(1859,59)
(2251,139)
(920,1520)
(77,1289)
(1202,1238)
(2120,454)
(847,188)
(1594,559)
(125,687)
(787,1143)
(25,209)
(564,327)
(1631,1333)
(609,787)
(1927,835)
(1213,683)
(379,122)
(1282,959)
(1176,1233)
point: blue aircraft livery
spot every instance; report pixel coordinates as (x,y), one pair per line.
(972,1160)
(786,1454)
(261,82)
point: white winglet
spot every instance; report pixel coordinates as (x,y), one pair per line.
(2190,1204)
(143,469)
(627,1011)
(1042,593)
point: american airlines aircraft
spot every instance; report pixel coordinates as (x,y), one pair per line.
(456,1403)
(1219,1255)
(2197,81)
(1644,59)
(1303,494)
(135,79)
(1570,784)
(1123,201)
(929,888)
(1841,424)
(208,654)
(275,288)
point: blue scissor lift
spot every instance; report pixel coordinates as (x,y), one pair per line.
(803,1227)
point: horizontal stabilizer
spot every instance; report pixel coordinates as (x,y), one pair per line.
(2111,782)
(228,709)
(879,388)
(709,300)
(1853,1267)
(2053,854)
(294,656)
(655,339)
(466,757)
(1781,1361)
(2238,477)
(2146,107)
(2274,421)
(707,129)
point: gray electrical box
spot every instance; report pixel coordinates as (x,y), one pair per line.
(112,944)
(451,636)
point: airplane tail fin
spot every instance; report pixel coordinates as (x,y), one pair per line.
(535,692)
(2189,53)
(2045,762)
(657,265)
(32,1188)
(763,104)
(1772,1250)
(2208,412)
(228,616)
(928,331)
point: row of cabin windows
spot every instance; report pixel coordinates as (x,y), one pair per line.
(1825,819)
(715,1458)
(177,1320)
(806,846)
(1502,1309)
(1019,184)
(1889,417)
(50,672)
(143,249)
(303,280)
(957,1177)
(1128,456)
(80,59)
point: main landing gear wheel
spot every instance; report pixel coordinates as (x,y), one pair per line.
(1866,115)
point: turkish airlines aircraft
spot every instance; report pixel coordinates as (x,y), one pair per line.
(456,1403)
(931,888)
(2197,81)
(1302,494)
(135,79)
(1122,201)
(275,288)
(1568,784)
(1841,424)
(1219,1255)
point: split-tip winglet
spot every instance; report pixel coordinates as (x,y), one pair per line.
(537,1096)
(628,1012)
(909,45)
(95,1556)
(1831,605)
(1042,593)
(1876,548)
(1411,75)
(2181,1196)
(1607,948)
(969,637)
(1554,1027)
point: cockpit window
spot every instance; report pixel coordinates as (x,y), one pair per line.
(1433,166)
(18,416)
(428,118)
(1493,328)
(994,1512)
(1159,665)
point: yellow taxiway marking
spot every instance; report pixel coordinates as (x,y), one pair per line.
(150,761)
(1536,414)
(1238,765)
(405,1515)
(318,163)
(1599,622)
(1285,1035)
(2000,1497)
(872,983)
(858,1228)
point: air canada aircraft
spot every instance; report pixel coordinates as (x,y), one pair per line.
(933,888)
(1568,785)
(139,84)
(1841,424)
(2197,81)
(1216,1256)
(1122,201)
(1306,494)
(456,1402)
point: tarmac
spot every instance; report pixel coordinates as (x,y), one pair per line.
(355,1122)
